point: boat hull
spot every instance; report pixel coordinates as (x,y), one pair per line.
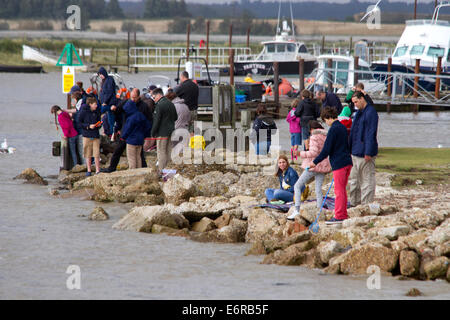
(266,67)
(21,69)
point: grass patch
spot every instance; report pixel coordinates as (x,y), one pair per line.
(431,166)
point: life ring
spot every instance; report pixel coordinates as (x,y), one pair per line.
(91,90)
(123,93)
(310,80)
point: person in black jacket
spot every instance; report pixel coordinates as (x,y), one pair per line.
(329,99)
(263,127)
(107,95)
(306,110)
(188,91)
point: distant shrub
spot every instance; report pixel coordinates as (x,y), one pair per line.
(10,46)
(131,26)
(4,26)
(178,25)
(108,29)
(27,25)
(44,25)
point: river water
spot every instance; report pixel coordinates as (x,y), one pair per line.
(41,235)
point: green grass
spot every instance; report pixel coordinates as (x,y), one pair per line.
(432,166)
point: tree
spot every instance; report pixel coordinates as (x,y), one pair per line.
(113,10)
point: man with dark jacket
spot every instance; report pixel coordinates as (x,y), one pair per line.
(188,91)
(364,148)
(329,99)
(306,110)
(107,95)
(164,118)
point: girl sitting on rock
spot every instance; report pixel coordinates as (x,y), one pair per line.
(316,142)
(288,177)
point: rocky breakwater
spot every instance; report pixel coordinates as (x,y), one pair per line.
(405,232)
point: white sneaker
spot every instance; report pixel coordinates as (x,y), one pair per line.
(293,215)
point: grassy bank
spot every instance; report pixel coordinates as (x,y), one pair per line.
(431,166)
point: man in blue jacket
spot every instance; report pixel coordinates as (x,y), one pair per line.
(329,99)
(107,95)
(364,148)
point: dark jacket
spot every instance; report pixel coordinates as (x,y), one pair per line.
(332,100)
(136,127)
(76,121)
(86,118)
(351,105)
(290,177)
(108,90)
(264,121)
(164,118)
(121,114)
(336,147)
(307,110)
(188,91)
(363,135)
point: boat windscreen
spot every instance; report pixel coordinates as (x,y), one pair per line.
(270,48)
(401,51)
(436,52)
(291,47)
(417,50)
(302,49)
(281,47)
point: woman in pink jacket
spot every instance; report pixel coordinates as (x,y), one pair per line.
(294,127)
(69,132)
(316,142)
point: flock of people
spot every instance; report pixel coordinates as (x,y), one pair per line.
(139,123)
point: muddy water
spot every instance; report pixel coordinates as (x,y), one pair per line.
(41,235)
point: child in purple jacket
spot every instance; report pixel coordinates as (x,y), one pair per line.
(294,128)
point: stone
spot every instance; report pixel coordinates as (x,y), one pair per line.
(214,183)
(79,168)
(178,189)
(257,248)
(54,192)
(237,213)
(357,260)
(200,207)
(232,233)
(145,199)
(423,218)
(409,263)
(392,233)
(70,179)
(384,179)
(443,249)
(293,255)
(98,214)
(309,212)
(436,268)
(142,219)
(312,259)
(334,269)
(328,250)
(223,220)
(412,241)
(414,292)
(125,186)
(244,200)
(260,224)
(348,236)
(448,275)
(204,225)
(252,184)
(365,221)
(272,245)
(157,229)
(32,177)
(84,183)
(440,235)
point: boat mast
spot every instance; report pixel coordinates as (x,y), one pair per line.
(279,12)
(292,20)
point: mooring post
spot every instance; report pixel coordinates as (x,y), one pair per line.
(231,57)
(188,34)
(117,55)
(330,79)
(276,79)
(416,79)
(230,37)
(207,42)
(301,75)
(356,68)
(350,46)
(128,54)
(438,80)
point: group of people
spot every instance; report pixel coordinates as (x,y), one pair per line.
(135,122)
(348,150)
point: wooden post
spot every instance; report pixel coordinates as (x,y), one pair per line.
(330,82)
(69,101)
(248,38)
(117,55)
(230,36)
(134,39)
(350,46)
(438,80)
(188,34)
(389,83)
(356,68)
(416,79)
(301,75)
(207,42)
(231,58)
(276,80)
(92,55)
(415,9)
(128,55)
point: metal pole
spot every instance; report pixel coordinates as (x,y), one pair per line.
(188,34)
(389,84)
(276,79)
(301,75)
(356,68)
(416,79)
(330,82)
(207,42)
(128,49)
(438,80)
(415,9)
(322,49)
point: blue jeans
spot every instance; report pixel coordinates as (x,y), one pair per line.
(279,194)
(80,148)
(296,139)
(73,142)
(305,135)
(263,147)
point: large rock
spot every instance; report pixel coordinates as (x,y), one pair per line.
(412,241)
(200,207)
(272,245)
(143,218)
(178,189)
(79,168)
(84,183)
(31,176)
(260,224)
(214,183)
(409,263)
(424,218)
(252,184)
(291,256)
(98,214)
(156,228)
(328,250)
(223,220)
(443,249)
(357,260)
(440,235)
(436,268)
(204,225)
(125,186)
(232,233)
(392,233)
(348,236)
(365,221)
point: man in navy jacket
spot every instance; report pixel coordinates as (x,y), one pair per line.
(364,148)
(329,99)
(107,94)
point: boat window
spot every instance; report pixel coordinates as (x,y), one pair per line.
(448,55)
(436,52)
(270,48)
(281,48)
(401,51)
(340,77)
(302,49)
(291,47)
(417,50)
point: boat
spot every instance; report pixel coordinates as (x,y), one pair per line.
(20,69)
(44,57)
(425,40)
(283,49)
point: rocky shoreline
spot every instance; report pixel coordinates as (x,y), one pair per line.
(406,232)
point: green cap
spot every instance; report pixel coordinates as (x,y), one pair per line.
(346,112)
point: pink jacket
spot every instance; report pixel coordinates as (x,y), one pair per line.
(316,142)
(67,125)
(294,122)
